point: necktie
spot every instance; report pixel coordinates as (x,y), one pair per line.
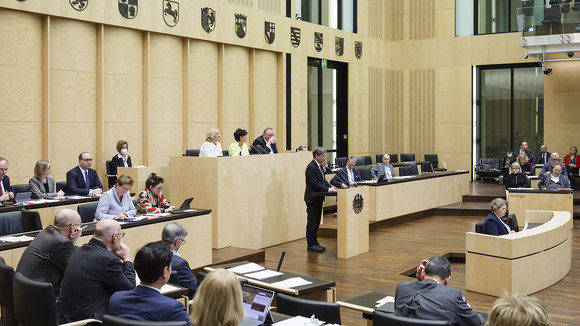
(1,186)
(87,185)
(321,170)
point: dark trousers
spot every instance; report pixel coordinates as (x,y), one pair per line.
(314,212)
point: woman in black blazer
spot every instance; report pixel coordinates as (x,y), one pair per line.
(42,183)
(121,158)
(517,179)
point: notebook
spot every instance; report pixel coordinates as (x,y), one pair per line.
(256,302)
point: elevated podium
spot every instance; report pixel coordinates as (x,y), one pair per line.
(521,200)
(353,206)
(257,201)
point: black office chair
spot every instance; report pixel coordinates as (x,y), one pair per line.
(384,319)
(479,228)
(35,303)
(226,152)
(379,158)
(365,173)
(408,157)
(11,223)
(403,171)
(325,311)
(61,185)
(512,222)
(368,160)
(394,158)
(412,168)
(426,167)
(30,220)
(111,177)
(360,161)
(340,161)
(110,320)
(435,162)
(200,277)
(6,296)
(87,212)
(21,188)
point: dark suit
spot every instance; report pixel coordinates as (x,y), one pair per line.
(540,160)
(341,177)
(315,182)
(6,183)
(548,168)
(547,183)
(493,226)
(46,257)
(379,169)
(262,142)
(519,180)
(93,274)
(75,181)
(116,161)
(147,304)
(184,274)
(432,301)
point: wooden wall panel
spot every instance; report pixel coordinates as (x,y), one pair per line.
(299,112)
(266,95)
(236,95)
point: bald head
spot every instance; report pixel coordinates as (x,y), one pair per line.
(106,229)
(66,217)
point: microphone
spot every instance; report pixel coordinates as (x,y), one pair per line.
(348,180)
(255,149)
(263,151)
(281,260)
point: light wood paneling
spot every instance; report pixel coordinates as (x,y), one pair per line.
(353,225)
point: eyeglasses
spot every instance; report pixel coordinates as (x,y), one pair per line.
(183,241)
(87,160)
(75,224)
(122,234)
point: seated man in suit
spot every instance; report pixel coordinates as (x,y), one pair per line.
(543,156)
(430,298)
(46,257)
(116,203)
(94,272)
(174,235)
(267,142)
(347,176)
(6,192)
(145,302)
(524,150)
(548,167)
(383,168)
(554,180)
(82,180)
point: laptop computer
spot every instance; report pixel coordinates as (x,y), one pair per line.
(184,206)
(256,302)
(22,197)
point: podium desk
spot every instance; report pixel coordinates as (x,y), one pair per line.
(197,251)
(257,201)
(521,200)
(405,195)
(139,175)
(318,289)
(525,262)
(353,206)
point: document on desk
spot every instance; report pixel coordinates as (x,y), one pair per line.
(166,288)
(76,197)
(384,300)
(291,283)
(246,268)
(157,214)
(17,239)
(298,320)
(262,275)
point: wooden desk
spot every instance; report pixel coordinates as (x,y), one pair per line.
(521,200)
(197,250)
(353,206)
(396,197)
(524,262)
(257,201)
(366,304)
(139,175)
(321,290)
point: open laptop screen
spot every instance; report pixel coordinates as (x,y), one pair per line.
(256,302)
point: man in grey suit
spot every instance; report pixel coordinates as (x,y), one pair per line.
(554,180)
(430,298)
(383,168)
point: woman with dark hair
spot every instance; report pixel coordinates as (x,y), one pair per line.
(239,147)
(151,199)
(121,158)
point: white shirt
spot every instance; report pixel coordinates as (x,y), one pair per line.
(350,175)
(125,163)
(209,149)
(387,172)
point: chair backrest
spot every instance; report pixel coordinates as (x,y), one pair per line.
(365,173)
(379,158)
(360,161)
(394,158)
(109,320)
(293,306)
(340,161)
(479,227)
(87,212)
(21,188)
(61,185)
(403,171)
(226,152)
(191,152)
(200,277)
(30,220)
(368,160)
(34,302)
(11,223)
(111,180)
(489,163)
(6,295)
(512,222)
(426,167)
(410,157)
(384,319)
(412,168)
(433,159)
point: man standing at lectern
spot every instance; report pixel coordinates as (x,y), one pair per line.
(315,183)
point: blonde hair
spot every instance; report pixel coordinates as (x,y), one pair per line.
(518,309)
(211,134)
(524,156)
(218,300)
(40,167)
(124,180)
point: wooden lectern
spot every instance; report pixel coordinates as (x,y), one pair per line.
(353,206)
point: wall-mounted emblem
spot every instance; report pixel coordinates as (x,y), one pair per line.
(207,19)
(79,5)
(357,203)
(295,36)
(269,32)
(358,49)
(241,25)
(318,41)
(170,12)
(128,8)
(339,46)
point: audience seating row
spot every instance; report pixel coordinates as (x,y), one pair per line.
(19,222)
(366,160)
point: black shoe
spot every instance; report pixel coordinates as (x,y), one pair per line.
(321,246)
(315,248)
